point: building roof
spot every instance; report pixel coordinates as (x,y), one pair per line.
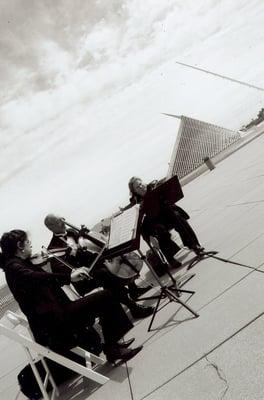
(195,141)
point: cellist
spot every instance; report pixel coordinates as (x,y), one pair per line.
(78,257)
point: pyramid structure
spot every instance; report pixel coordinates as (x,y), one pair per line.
(196,140)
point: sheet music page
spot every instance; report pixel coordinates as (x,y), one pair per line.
(123,227)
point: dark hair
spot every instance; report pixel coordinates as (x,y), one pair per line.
(9,242)
(134,197)
(131,184)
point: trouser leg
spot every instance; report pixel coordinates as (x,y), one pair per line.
(112,283)
(186,233)
(113,320)
(122,294)
(182,226)
(168,247)
(154,228)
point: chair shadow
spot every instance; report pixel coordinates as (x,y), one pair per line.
(81,388)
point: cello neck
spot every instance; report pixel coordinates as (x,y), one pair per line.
(94,237)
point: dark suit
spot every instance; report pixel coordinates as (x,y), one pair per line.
(81,259)
(170,217)
(56,321)
(101,276)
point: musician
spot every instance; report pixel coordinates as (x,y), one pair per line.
(101,276)
(171,217)
(55,320)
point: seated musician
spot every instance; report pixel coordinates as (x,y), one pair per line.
(171,217)
(101,276)
(56,321)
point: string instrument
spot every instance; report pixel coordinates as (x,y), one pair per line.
(57,254)
(42,258)
(126,267)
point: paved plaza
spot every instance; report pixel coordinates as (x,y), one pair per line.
(220,354)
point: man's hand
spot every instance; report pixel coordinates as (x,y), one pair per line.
(84,231)
(154,242)
(79,274)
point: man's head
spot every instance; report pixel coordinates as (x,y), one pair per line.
(55,224)
(137,187)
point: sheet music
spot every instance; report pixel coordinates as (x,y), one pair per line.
(123,227)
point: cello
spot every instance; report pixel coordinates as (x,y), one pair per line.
(126,267)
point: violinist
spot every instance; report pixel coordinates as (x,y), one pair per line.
(171,217)
(56,321)
(78,256)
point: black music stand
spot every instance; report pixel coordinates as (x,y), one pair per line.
(167,193)
(202,256)
(170,291)
(172,191)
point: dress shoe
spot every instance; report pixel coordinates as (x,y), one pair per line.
(139,291)
(174,264)
(126,343)
(139,311)
(197,249)
(116,353)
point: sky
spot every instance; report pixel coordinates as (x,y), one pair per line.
(84,85)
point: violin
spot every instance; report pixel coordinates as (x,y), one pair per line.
(39,259)
(42,259)
(46,254)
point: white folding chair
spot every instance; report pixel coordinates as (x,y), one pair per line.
(32,349)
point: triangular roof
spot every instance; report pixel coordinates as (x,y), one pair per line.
(195,141)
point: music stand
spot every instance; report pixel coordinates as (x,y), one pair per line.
(124,234)
(128,240)
(168,192)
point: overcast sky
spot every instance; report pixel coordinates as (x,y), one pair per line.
(84,84)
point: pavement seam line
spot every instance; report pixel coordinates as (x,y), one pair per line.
(220,294)
(12,370)
(129,383)
(206,354)
(246,203)
(248,244)
(253,269)
(229,287)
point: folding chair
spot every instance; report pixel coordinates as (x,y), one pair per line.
(32,348)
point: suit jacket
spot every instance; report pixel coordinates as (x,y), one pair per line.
(82,258)
(136,199)
(39,296)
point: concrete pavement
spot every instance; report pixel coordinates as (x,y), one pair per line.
(220,354)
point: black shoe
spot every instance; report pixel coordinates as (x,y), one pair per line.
(139,311)
(139,291)
(174,264)
(117,353)
(197,249)
(126,343)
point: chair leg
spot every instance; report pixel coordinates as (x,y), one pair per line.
(88,356)
(50,378)
(37,376)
